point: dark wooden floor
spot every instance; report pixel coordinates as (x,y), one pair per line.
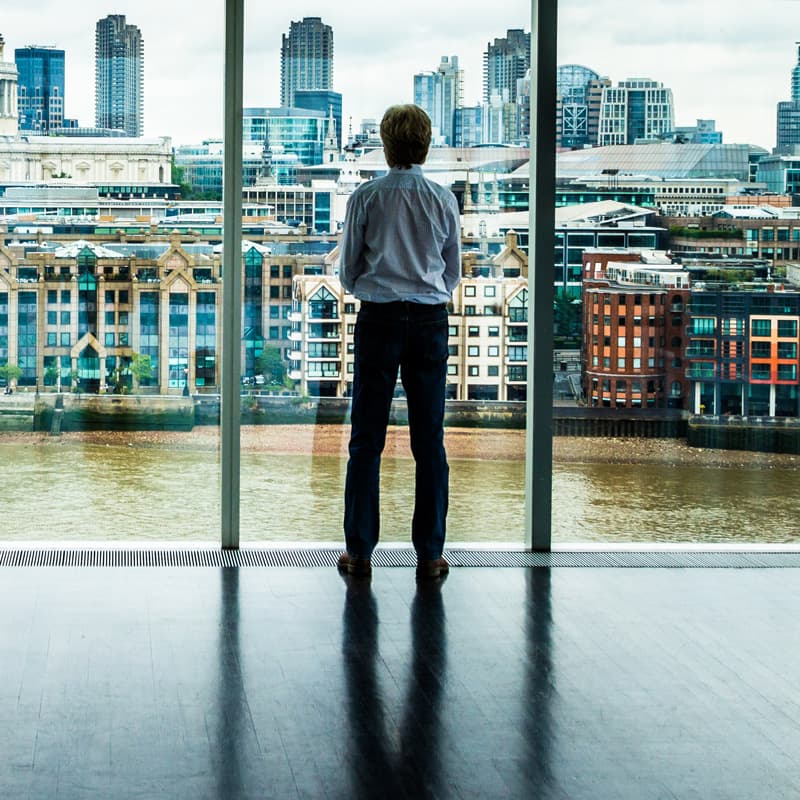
(500,683)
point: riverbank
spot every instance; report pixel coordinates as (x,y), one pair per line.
(461,443)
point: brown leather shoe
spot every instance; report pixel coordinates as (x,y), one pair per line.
(436,568)
(354,565)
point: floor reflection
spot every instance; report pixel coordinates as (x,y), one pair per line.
(229,745)
(381,764)
(538,692)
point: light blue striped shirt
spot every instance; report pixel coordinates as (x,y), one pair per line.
(401,240)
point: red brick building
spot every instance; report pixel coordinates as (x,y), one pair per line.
(634,305)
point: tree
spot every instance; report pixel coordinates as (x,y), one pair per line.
(141,368)
(271,366)
(10,373)
(178,177)
(50,376)
(567,321)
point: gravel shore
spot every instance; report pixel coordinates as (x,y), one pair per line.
(461,443)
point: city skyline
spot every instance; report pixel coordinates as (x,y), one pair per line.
(725,65)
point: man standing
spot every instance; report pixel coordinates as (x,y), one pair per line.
(400,256)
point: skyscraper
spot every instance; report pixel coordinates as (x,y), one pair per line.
(440,94)
(637,108)
(788,128)
(504,62)
(119,71)
(40,89)
(306,59)
(505,65)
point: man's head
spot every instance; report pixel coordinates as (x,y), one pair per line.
(406,135)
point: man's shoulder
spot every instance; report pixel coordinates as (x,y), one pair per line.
(438,188)
(369,187)
(444,193)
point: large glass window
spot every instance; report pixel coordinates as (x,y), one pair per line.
(157,332)
(295,433)
(110,291)
(681,459)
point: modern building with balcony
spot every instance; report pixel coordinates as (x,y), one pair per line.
(487,342)
(713,336)
(742,349)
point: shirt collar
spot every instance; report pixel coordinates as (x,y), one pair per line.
(414,169)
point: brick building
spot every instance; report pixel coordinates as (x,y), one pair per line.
(633,329)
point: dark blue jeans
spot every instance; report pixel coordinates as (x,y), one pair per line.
(411,337)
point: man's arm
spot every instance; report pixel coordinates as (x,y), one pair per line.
(350,263)
(451,252)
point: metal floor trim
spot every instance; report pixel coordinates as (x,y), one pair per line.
(287,556)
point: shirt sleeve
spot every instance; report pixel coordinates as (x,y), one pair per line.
(350,260)
(451,252)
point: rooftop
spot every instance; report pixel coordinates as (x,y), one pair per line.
(664,160)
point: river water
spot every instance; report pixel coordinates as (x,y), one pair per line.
(121,492)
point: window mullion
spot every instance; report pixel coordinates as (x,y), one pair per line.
(230,406)
(539,438)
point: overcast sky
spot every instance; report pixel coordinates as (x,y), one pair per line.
(728,60)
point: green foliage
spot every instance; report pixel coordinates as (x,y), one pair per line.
(10,373)
(187,192)
(734,275)
(141,368)
(271,366)
(567,321)
(50,376)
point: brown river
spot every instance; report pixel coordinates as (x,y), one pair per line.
(116,487)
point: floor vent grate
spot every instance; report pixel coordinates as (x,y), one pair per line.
(390,557)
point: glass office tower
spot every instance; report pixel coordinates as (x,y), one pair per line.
(40,88)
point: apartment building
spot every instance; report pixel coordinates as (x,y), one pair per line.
(488,331)
(699,336)
(742,349)
(633,324)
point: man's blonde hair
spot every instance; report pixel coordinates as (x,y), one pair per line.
(406,135)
